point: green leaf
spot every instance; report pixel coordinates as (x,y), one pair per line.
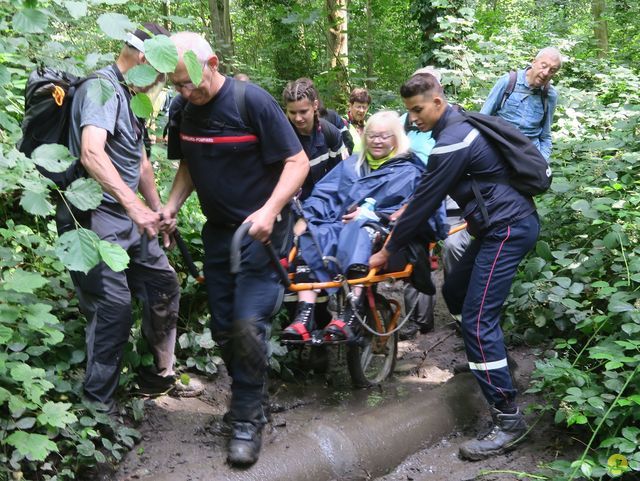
(9,123)
(53,157)
(37,315)
(53,337)
(543,250)
(116,25)
(77,250)
(596,402)
(564,282)
(570,303)
(84,193)
(23,372)
(631,328)
(161,53)
(616,305)
(5,75)
(30,20)
(76,9)
(142,106)
(113,255)
(5,335)
(100,91)
(86,448)
(36,203)
(141,75)
(35,447)
(23,281)
(611,241)
(56,414)
(194,67)
(25,423)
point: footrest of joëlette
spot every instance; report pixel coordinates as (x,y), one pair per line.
(318,339)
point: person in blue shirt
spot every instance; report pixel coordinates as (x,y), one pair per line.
(531,104)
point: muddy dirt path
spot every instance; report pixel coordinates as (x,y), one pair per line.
(182,439)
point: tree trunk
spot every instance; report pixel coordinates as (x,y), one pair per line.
(221,30)
(338,41)
(600,30)
(369,47)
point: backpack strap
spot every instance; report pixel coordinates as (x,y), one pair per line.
(239,95)
(511,85)
(329,134)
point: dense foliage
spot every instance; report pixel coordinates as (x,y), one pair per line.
(577,295)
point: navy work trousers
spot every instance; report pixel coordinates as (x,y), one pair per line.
(241,309)
(477,288)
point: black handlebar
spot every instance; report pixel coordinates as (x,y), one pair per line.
(186,255)
(236,254)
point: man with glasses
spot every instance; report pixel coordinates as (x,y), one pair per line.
(108,139)
(244,168)
(527,99)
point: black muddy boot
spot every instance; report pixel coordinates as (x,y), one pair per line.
(246,440)
(505,434)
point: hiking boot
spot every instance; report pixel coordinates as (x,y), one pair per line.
(408,331)
(348,328)
(221,426)
(507,431)
(244,447)
(150,384)
(303,323)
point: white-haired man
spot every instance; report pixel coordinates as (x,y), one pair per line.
(244,168)
(526,98)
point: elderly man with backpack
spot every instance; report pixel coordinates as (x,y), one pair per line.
(526,98)
(470,166)
(108,140)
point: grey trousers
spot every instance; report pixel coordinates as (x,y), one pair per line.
(106,300)
(454,246)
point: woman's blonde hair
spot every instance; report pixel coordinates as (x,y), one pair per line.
(392,119)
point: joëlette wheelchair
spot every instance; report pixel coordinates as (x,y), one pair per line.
(371,356)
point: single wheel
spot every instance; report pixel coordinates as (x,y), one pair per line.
(372,360)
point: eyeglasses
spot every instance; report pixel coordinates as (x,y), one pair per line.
(189,86)
(382,136)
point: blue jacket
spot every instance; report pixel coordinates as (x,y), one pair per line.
(391,185)
(459,154)
(524,109)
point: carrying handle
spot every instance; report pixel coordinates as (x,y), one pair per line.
(236,254)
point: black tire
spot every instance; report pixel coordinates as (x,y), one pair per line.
(370,361)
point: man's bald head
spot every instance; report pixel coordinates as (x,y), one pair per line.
(185,41)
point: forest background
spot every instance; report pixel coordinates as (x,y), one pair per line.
(577,295)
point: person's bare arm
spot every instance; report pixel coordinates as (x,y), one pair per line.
(99,166)
(293,175)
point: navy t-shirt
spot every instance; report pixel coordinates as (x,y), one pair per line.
(234,168)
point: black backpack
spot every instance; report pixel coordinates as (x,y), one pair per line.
(529,172)
(330,136)
(48,97)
